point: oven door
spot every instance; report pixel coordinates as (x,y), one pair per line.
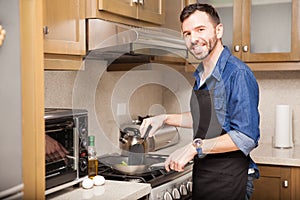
(61,170)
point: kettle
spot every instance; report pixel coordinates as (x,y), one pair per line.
(130,135)
(164,137)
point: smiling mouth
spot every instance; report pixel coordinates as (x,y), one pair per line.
(198,48)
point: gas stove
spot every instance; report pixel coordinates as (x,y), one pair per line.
(165,185)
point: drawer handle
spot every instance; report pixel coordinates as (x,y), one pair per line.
(237,48)
(2,35)
(285,183)
(245,48)
(46,30)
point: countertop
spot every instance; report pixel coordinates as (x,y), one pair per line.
(120,190)
(266,154)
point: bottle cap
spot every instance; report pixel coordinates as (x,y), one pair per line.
(91,140)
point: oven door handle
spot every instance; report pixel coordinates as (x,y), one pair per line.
(67,124)
(76,147)
(54,130)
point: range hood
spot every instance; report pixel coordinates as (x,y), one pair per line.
(121,44)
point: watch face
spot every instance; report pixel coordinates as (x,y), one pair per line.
(198,143)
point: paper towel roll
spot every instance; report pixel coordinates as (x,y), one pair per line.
(283,127)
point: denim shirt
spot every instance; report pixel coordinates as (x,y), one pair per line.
(236,98)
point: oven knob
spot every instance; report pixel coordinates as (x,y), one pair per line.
(189,186)
(183,190)
(83,164)
(83,143)
(176,193)
(168,196)
(83,131)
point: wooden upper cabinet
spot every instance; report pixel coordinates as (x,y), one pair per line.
(270,30)
(261,30)
(121,7)
(146,10)
(152,11)
(64,27)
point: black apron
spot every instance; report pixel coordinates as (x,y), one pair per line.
(215,176)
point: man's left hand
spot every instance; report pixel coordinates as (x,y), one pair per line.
(178,159)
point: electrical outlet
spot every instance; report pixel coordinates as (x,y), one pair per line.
(121,109)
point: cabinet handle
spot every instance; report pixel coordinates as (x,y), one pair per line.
(237,48)
(141,2)
(245,48)
(45,30)
(2,35)
(285,183)
(135,1)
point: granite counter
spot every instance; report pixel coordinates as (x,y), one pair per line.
(266,154)
(117,190)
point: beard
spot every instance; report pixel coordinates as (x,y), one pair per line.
(202,48)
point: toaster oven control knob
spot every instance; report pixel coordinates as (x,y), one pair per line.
(83,143)
(183,190)
(83,131)
(168,196)
(83,164)
(189,186)
(176,193)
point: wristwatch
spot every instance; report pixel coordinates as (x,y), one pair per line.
(197,143)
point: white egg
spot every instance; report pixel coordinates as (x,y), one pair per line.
(87,183)
(98,180)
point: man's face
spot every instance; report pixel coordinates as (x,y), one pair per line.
(200,34)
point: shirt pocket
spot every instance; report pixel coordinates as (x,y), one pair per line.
(220,108)
(219,103)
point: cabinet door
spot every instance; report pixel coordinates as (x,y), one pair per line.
(151,11)
(64,29)
(270,30)
(126,8)
(230,13)
(274,183)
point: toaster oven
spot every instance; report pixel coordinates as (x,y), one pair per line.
(69,128)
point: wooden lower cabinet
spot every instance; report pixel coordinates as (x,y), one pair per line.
(277,182)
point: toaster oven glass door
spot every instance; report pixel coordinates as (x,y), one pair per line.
(59,169)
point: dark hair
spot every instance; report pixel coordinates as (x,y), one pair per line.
(210,10)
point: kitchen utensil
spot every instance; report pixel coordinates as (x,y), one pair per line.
(164,137)
(118,162)
(138,169)
(137,151)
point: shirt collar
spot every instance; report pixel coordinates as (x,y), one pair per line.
(218,69)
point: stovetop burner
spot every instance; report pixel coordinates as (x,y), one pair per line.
(155,177)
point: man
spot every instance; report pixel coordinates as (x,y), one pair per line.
(224,113)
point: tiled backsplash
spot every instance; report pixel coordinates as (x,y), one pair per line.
(278,88)
(149,93)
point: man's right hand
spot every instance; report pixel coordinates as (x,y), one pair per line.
(156,123)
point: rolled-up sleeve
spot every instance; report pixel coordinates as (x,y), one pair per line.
(242,141)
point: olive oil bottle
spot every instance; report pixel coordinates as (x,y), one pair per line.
(92,158)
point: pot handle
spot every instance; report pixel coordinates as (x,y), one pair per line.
(136,131)
(157,166)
